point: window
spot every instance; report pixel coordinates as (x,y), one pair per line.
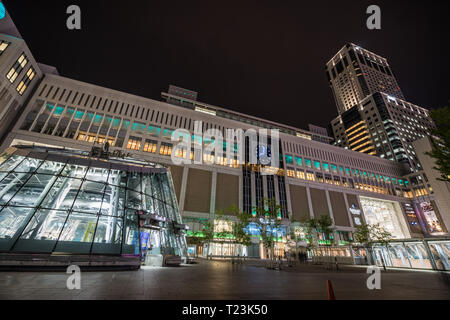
(23,85)
(290,172)
(3,46)
(154,131)
(326,167)
(317,165)
(17,68)
(150,146)
(310,176)
(289,160)
(166,149)
(138,127)
(167,133)
(300,174)
(298,161)
(308,163)
(134,143)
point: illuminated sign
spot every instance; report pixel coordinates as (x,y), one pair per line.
(430,217)
(264,154)
(355,210)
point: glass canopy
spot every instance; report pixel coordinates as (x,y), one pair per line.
(54,201)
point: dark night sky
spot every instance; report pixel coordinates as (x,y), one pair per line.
(264,58)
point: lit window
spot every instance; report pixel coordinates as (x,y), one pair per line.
(3,46)
(17,68)
(300,175)
(290,172)
(134,143)
(23,85)
(166,149)
(298,161)
(150,146)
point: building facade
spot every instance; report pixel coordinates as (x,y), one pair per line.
(314,178)
(355,73)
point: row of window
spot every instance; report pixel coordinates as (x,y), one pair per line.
(17,68)
(317,165)
(349,183)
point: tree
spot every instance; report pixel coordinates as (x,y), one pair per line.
(325,226)
(440,139)
(239,226)
(367,235)
(267,217)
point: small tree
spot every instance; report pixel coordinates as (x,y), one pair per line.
(440,138)
(310,227)
(267,217)
(239,226)
(367,235)
(325,226)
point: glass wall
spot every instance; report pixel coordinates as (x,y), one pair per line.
(55,203)
(415,255)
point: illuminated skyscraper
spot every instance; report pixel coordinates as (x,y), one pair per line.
(355,73)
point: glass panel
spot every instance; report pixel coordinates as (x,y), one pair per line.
(62,194)
(131,244)
(28,165)
(97,175)
(51,167)
(11,163)
(418,255)
(90,197)
(11,184)
(79,227)
(32,192)
(45,225)
(441,254)
(11,219)
(113,201)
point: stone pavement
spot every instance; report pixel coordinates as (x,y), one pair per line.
(224,281)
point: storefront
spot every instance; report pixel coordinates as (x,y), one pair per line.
(386,213)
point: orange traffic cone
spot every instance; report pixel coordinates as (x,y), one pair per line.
(330,291)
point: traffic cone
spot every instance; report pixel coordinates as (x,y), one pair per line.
(330,291)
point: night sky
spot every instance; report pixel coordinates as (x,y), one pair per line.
(264,58)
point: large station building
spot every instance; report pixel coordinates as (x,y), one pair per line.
(315,177)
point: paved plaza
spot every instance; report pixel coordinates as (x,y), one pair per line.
(222,280)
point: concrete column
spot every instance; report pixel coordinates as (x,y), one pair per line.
(308,195)
(277,190)
(350,217)
(212,205)
(253,189)
(241,192)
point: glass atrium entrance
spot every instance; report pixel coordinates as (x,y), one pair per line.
(60,201)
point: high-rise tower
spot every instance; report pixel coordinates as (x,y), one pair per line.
(355,73)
